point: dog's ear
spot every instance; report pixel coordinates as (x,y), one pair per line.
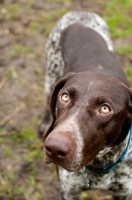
(53,97)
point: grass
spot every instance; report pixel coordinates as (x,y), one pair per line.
(35,26)
(8,190)
(27,134)
(124,50)
(19,49)
(47,20)
(13,9)
(34,154)
(118,16)
(53,15)
(128,71)
(8,152)
(12,183)
(1,140)
(9,74)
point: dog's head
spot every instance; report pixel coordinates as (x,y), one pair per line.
(89,111)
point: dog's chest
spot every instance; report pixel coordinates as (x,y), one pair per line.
(119,178)
(121,175)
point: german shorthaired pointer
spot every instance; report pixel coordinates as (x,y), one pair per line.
(89,138)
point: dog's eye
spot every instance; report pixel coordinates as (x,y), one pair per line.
(105,109)
(65,97)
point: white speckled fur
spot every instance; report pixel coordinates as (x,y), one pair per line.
(74,180)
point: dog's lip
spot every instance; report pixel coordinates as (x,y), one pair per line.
(48,160)
(71,168)
(61,164)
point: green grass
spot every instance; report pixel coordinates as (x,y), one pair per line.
(13,9)
(35,26)
(118,15)
(48,20)
(29,157)
(14,186)
(53,15)
(124,50)
(19,49)
(9,74)
(27,134)
(1,140)
(8,152)
(128,71)
(20,191)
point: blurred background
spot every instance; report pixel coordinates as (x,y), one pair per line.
(24,27)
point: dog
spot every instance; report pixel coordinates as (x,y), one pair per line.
(89,137)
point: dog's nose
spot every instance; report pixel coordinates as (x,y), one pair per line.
(57,149)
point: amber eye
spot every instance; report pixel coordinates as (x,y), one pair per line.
(105,109)
(65,97)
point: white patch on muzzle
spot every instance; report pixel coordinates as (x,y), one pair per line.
(71,125)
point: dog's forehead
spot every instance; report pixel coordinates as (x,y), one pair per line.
(95,85)
(94,81)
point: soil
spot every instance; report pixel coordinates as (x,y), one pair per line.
(24,175)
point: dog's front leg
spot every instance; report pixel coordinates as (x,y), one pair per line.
(72,183)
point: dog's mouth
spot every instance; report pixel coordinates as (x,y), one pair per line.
(70,165)
(67,164)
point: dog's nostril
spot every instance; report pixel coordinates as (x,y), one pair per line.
(58,154)
(48,150)
(61,154)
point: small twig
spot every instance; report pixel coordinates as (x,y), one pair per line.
(10,116)
(3,133)
(2,82)
(2,180)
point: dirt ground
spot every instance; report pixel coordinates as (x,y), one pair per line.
(24,27)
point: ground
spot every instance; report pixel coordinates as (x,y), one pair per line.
(24,27)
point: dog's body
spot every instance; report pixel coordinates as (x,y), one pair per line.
(91,109)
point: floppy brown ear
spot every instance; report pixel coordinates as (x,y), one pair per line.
(53,97)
